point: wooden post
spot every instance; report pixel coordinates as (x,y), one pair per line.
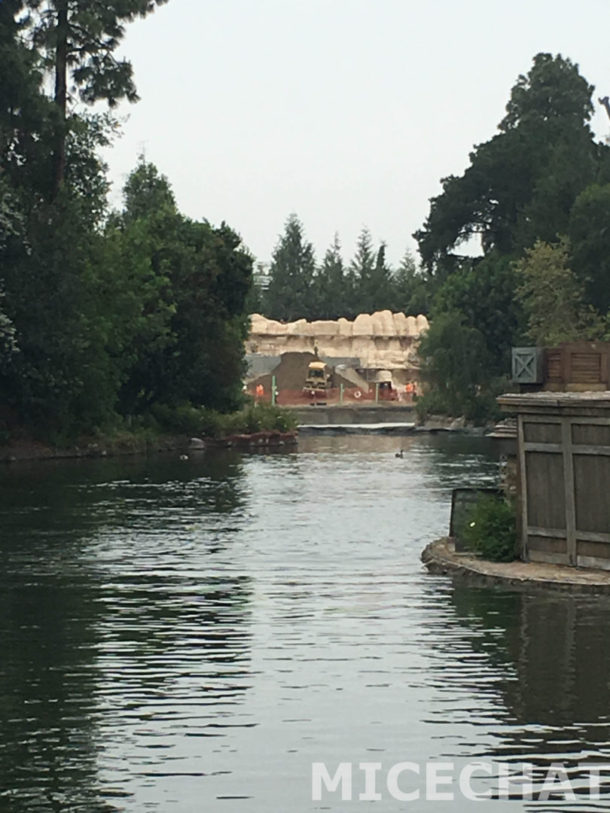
(568,480)
(522,488)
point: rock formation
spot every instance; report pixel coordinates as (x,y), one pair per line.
(378,341)
(372,342)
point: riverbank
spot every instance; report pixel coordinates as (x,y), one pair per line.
(138,444)
(440,557)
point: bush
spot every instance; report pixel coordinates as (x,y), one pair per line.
(200,421)
(491,529)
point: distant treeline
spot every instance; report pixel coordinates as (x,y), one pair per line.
(296,286)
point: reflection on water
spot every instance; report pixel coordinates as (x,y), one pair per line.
(192,635)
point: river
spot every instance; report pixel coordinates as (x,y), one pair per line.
(190,636)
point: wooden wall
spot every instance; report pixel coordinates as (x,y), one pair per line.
(577,366)
(564,463)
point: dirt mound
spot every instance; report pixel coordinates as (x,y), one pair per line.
(291,372)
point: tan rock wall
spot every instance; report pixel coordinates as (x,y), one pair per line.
(380,340)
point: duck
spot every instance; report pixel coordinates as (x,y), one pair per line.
(184,457)
(399,454)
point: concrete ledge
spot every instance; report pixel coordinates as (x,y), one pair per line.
(440,557)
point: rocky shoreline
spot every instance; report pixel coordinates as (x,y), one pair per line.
(440,558)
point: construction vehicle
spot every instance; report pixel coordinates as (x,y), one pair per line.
(318,381)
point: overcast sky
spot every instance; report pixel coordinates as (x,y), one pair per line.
(346,112)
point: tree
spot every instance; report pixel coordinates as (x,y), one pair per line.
(381,288)
(520,188)
(11,243)
(589,233)
(412,290)
(63,379)
(454,363)
(194,282)
(483,292)
(552,297)
(24,110)
(147,192)
(362,269)
(331,294)
(77,40)
(521,184)
(290,292)
(553,93)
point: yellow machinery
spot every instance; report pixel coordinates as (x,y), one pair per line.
(319,378)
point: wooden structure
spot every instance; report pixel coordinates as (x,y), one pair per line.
(563,452)
(577,367)
(569,367)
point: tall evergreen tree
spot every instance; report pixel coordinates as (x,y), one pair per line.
(362,269)
(382,294)
(290,293)
(412,291)
(331,293)
(77,40)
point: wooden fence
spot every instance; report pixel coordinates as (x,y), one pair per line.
(563,446)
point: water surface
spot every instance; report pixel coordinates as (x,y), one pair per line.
(192,636)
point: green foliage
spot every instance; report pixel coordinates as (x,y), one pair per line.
(527,186)
(491,529)
(63,374)
(194,282)
(101,317)
(371,277)
(553,93)
(332,295)
(483,292)
(521,184)
(590,244)
(455,364)
(93,32)
(413,290)
(551,297)
(203,422)
(290,293)
(299,290)
(147,193)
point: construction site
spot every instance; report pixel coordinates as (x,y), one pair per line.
(372,359)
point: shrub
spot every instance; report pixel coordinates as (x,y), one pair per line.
(200,421)
(491,529)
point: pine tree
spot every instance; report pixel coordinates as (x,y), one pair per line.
(77,40)
(290,293)
(412,290)
(361,270)
(332,295)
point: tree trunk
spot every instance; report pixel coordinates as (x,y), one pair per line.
(61,94)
